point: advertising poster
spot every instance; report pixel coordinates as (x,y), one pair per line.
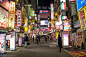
(82,18)
(65,39)
(2,44)
(3,20)
(67,26)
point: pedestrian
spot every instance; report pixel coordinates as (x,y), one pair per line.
(33,38)
(59,42)
(39,38)
(26,40)
(46,38)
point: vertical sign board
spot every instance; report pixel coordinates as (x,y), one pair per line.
(63,6)
(52,15)
(82,17)
(12,15)
(2,44)
(12,41)
(23,15)
(19,18)
(20,41)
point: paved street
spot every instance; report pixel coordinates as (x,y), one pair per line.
(44,49)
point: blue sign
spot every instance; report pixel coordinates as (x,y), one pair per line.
(80,4)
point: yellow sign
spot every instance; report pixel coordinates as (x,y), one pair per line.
(57,33)
(56,16)
(23,15)
(82,17)
(26,29)
(52,20)
(20,35)
(12,15)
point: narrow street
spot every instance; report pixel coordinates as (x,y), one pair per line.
(44,49)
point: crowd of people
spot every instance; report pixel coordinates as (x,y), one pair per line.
(46,38)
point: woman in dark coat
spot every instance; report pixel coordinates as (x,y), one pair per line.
(59,42)
(26,40)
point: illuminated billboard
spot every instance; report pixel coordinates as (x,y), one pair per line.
(12,15)
(3,18)
(82,17)
(64,17)
(65,39)
(63,6)
(67,26)
(52,11)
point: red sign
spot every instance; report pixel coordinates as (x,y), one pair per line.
(5,4)
(3,24)
(43,29)
(48,28)
(72,0)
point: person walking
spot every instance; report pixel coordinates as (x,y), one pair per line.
(33,38)
(59,42)
(26,40)
(46,38)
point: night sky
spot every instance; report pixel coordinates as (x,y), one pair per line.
(44,2)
